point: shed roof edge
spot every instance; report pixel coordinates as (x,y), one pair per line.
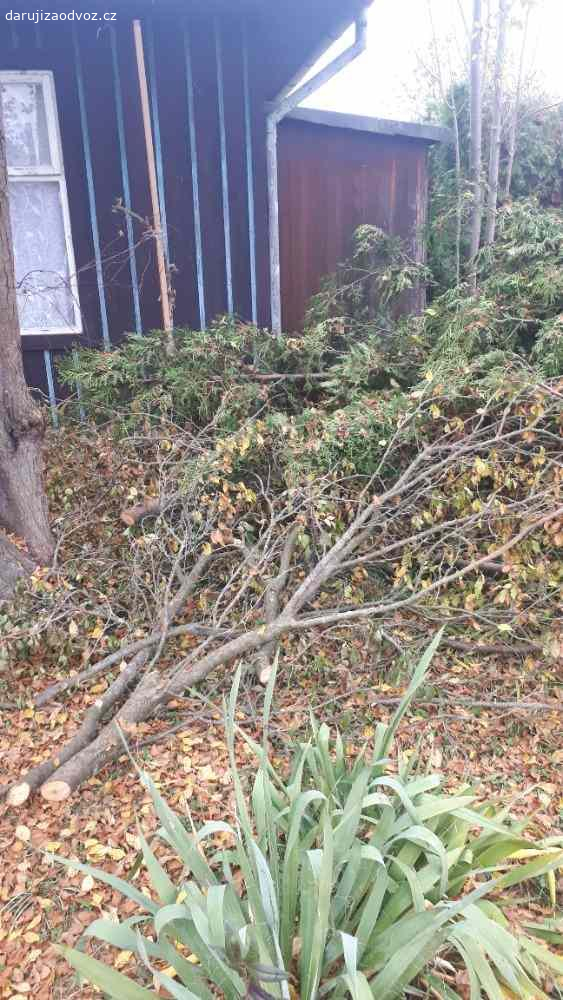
(378,126)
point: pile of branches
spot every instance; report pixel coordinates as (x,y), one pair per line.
(374,473)
(457,518)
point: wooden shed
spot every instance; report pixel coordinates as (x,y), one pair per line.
(338,172)
(220,77)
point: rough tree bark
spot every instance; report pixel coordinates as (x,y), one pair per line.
(23,506)
(13,565)
(494,152)
(476,135)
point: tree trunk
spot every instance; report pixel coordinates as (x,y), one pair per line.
(23,507)
(448,98)
(459,191)
(476,136)
(494,153)
(516,111)
(13,565)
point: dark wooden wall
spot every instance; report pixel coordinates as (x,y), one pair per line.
(331,181)
(52,49)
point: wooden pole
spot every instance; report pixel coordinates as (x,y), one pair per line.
(151,165)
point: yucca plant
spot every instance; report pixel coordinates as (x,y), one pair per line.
(344,880)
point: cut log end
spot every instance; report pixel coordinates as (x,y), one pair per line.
(131,515)
(56,791)
(265,674)
(18,794)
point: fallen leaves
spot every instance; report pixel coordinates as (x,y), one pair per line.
(43,903)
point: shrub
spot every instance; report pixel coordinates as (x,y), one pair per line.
(227,373)
(214,376)
(515,317)
(355,881)
(355,346)
(371,288)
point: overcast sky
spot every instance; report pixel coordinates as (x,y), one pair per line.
(383,81)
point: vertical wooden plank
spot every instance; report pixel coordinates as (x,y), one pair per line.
(148,29)
(157,206)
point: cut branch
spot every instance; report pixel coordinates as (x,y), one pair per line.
(89,758)
(83,738)
(110,662)
(155,690)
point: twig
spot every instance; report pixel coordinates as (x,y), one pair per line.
(110,661)
(504,706)
(497,648)
(528,706)
(281,376)
(265,656)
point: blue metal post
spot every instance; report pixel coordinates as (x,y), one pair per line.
(79,393)
(224,166)
(91,191)
(195,179)
(51,387)
(249,175)
(153,91)
(125,180)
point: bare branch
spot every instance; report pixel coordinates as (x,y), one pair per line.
(265,657)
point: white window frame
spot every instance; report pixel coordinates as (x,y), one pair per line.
(55,172)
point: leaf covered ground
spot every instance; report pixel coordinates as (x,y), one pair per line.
(513,754)
(349,679)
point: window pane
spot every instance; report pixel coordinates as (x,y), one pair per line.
(45,300)
(25,123)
